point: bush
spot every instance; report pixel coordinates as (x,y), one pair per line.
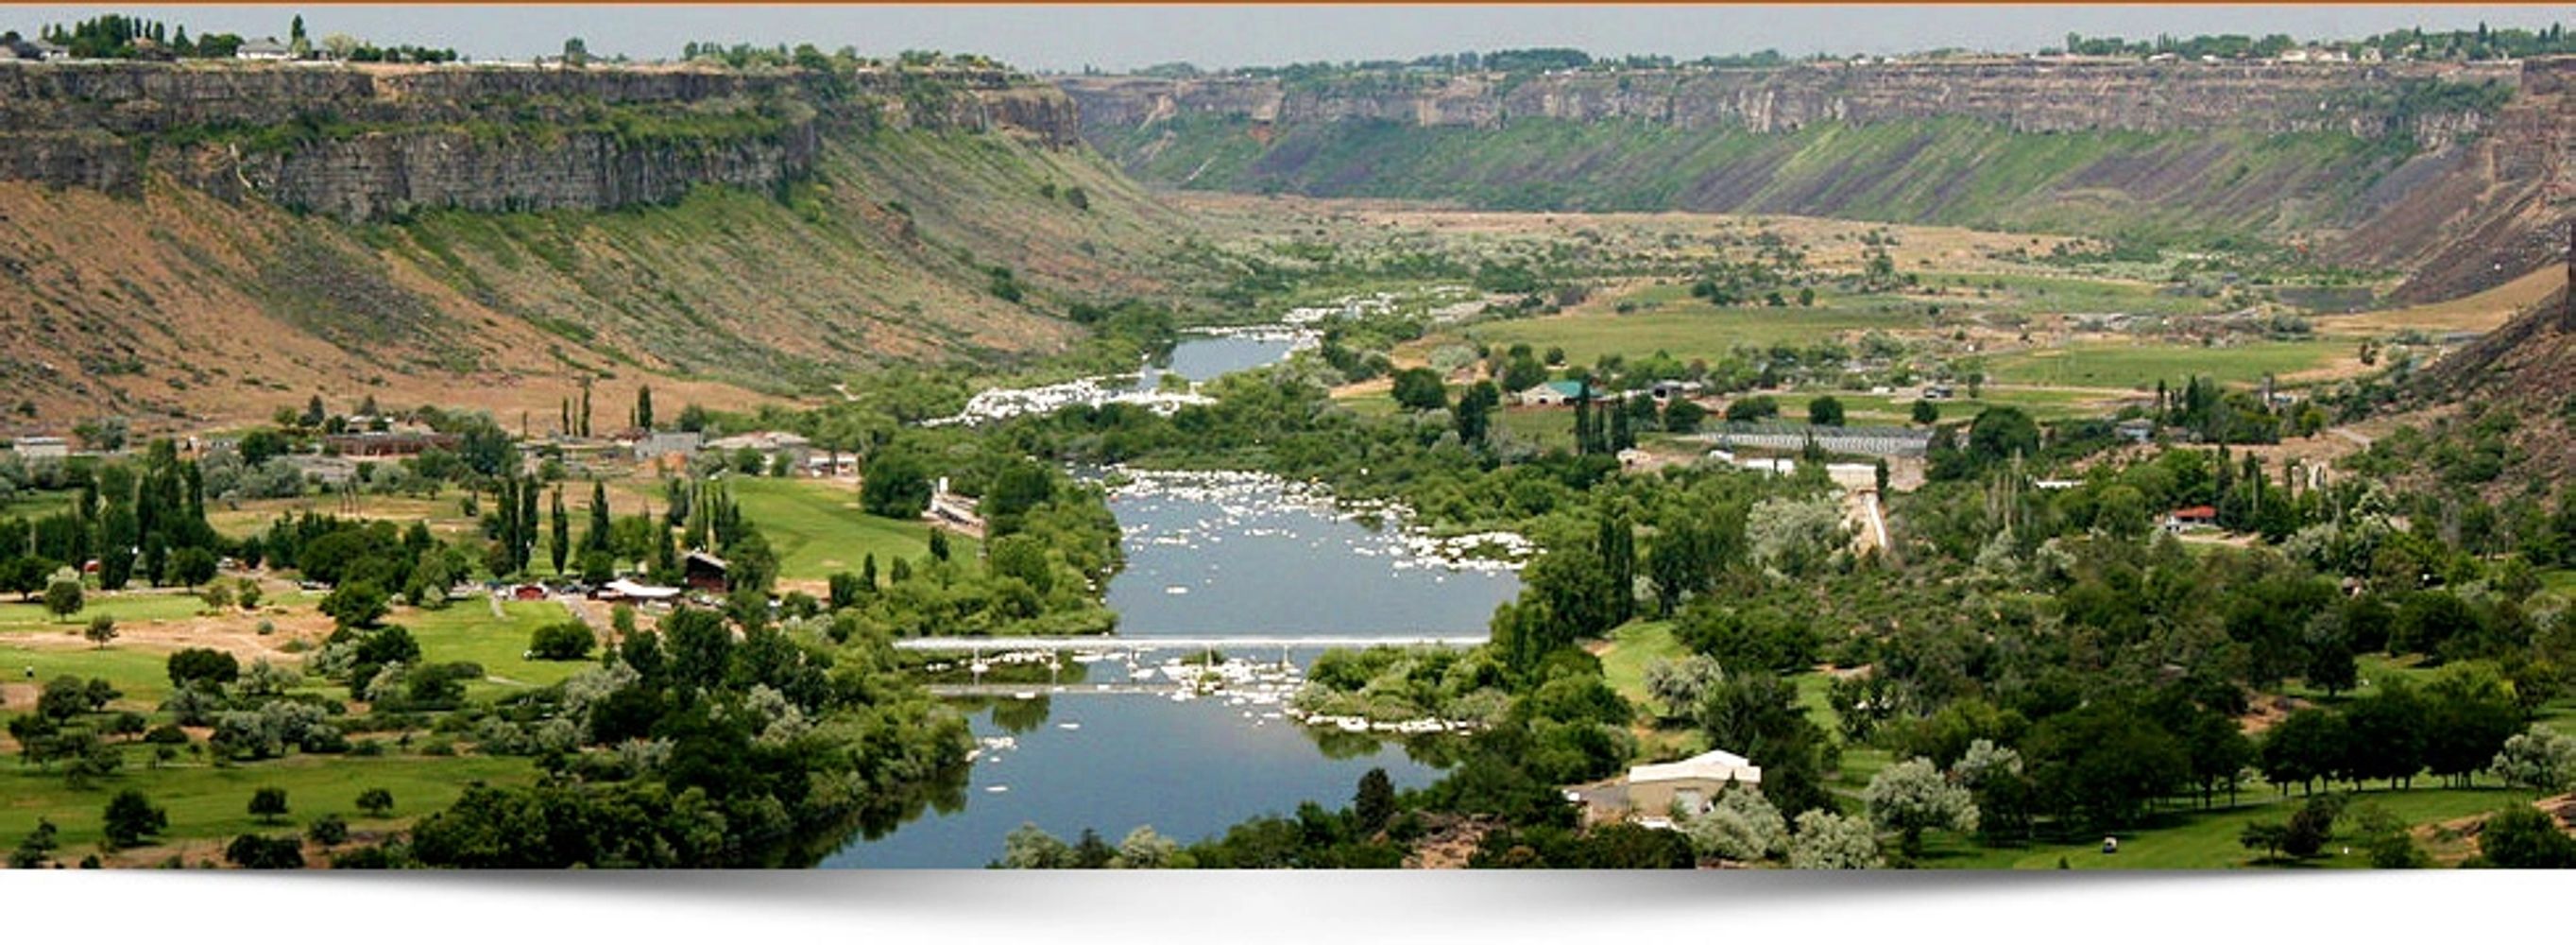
(570,640)
(199,664)
(251,851)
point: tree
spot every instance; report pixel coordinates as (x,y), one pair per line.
(268,804)
(192,566)
(1420,389)
(202,665)
(1751,409)
(355,604)
(328,830)
(36,849)
(101,630)
(2001,433)
(575,52)
(1680,684)
(1741,826)
(569,640)
(2540,759)
(1374,803)
(1830,841)
(896,485)
(254,852)
(376,801)
(559,536)
(1144,849)
(63,598)
(1911,796)
(1926,413)
(2522,837)
(1684,416)
(131,818)
(1825,411)
(1031,848)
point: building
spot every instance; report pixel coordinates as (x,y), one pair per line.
(771,444)
(1691,784)
(2198,516)
(1552,394)
(42,447)
(2138,431)
(626,590)
(264,49)
(657,444)
(1668,391)
(376,445)
(706,572)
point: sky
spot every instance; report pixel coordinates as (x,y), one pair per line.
(1070,37)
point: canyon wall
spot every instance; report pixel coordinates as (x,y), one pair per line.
(2025,96)
(371,143)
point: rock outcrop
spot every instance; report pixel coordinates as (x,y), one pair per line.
(2457,175)
(370,143)
(2023,95)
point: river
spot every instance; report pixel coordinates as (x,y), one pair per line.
(1221,555)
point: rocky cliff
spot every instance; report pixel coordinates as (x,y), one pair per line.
(2024,96)
(2448,172)
(375,143)
(190,244)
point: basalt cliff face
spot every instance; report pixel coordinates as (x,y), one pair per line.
(182,244)
(2453,173)
(364,145)
(2029,97)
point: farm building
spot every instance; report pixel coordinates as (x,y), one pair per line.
(706,572)
(2198,516)
(1650,793)
(389,444)
(1552,394)
(264,49)
(1792,437)
(42,447)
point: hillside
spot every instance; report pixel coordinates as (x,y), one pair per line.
(2440,172)
(211,243)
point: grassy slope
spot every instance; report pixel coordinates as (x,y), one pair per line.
(180,304)
(1949,170)
(817,529)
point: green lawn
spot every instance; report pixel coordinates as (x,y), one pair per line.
(2140,366)
(818,530)
(1863,409)
(1544,426)
(1673,322)
(467,632)
(126,607)
(142,675)
(2193,839)
(206,801)
(1632,646)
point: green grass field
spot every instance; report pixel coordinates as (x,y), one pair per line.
(2140,366)
(142,675)
(466,631)
(126,607)
(1879,409)
(2194,839)
(818,530)
(1671,321)
(210,802)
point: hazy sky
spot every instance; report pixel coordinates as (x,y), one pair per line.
(1069,37)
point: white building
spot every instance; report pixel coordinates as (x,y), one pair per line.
(264,49)
(1692,783)
(42,447)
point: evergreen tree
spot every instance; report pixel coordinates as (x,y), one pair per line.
(599,536)
(559,547)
